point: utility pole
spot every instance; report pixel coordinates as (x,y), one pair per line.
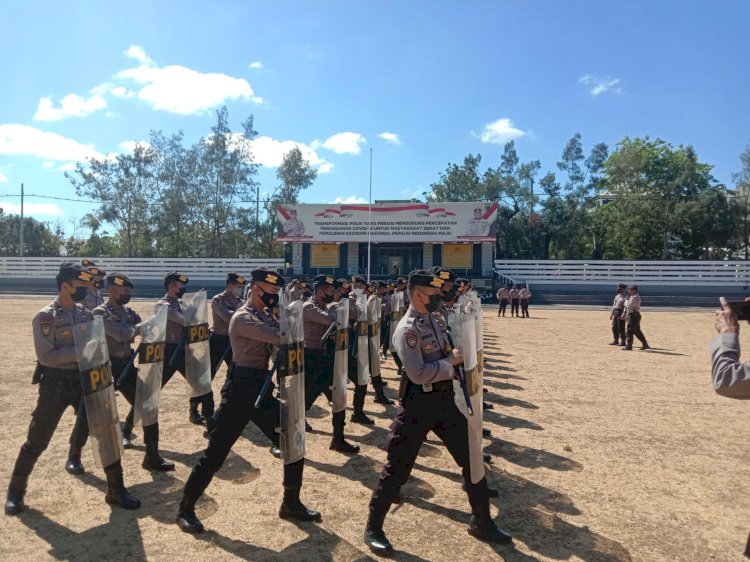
(369,223)
(20,245)
(257,220)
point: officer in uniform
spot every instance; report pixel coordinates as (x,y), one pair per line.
(223,306)
(358,284)
(502,296)
(633,320)
(254,332)
(293,291)
(427,404)
(60,388)
(524,295)
(514,295)
(94,297)
(616,316)
(319,355)
(175,284)
(121,326)
(478,226)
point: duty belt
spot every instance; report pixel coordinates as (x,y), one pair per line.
(52,371)
(441,386)
(249,373)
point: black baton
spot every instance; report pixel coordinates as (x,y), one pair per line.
(461,377)
(128,366)
(224,356)
(180,347)
(265,387)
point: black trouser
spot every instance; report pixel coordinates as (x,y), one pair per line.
(236,410)
(418,414)
(514,307)
(618,327)
(318,375)
(385,330)
(525,308)
(179,365)
(634,329)
(58,390)
(502,307)
(219,346)
(127,389)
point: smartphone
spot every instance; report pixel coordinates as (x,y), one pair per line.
(740,309)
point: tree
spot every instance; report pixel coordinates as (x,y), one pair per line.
(742,198)
(38,238)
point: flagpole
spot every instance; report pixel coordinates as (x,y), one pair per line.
(369,223)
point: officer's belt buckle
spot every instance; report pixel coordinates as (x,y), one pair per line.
(427,387)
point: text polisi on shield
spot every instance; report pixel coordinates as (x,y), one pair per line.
(96,379)
(151,352)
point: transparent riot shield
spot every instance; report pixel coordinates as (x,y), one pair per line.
(341,357)
(195,336)
(397,304)
(373,333)
(98,391)
(291,376)
(363,345)
(150,365)
(463,330)
(479,329)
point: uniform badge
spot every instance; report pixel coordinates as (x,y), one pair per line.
(411,338)
(46,328)
(427,346)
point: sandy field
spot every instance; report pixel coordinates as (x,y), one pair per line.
(599,454)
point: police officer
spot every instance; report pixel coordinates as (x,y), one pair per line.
(502,298)
(524,296)
(60,387)
(223,306)
(427,404)
(358,284)
(253,331)
(319,355)
(293,291)
(94,297)
(633,320)
(121,326)
(386,291)
(514,295)
(616,316)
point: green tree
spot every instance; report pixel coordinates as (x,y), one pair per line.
(741,200)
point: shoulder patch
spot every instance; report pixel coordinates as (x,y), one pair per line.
(411,338)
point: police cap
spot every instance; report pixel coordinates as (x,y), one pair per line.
(358,279)
(175,276)
(633,286)
(444,274)
(343,283)
(422,278)
(95,271)
(236,278)
(324,280)
(266,275)
(621,286)
(119,280)
(71,270)
(401,280)
(88,263)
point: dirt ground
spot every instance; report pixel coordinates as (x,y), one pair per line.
(598,454)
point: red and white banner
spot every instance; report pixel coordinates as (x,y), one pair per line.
(388,222)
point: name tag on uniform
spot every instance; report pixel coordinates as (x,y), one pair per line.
(427,387)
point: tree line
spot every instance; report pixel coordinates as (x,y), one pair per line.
(646,199)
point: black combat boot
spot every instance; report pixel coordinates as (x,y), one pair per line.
(358,416)
(492,492)
(16,491)
(187,520)
(195,416)
(117,494)
(380,397)
(74,465)
(338,443)
(127,431)
(482,526)
(292,507)
(153,460)
(375,537)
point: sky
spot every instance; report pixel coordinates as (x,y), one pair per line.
(418,84)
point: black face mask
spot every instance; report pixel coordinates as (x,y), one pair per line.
(99,284)
(181,292)
(328,299)
(307,294)
(79,294)
(345,295)
(434,303)
(269,299)
(123,299)
(449,295)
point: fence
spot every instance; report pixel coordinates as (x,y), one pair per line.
(679,273)
(206,269)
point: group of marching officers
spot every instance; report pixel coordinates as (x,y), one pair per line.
(626,318)
(248,336)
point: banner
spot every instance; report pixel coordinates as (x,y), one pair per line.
(458,256)
(388,222)
(324,255)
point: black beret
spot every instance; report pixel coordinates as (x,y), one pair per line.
(235,278)
(633,286)
(71,270)
(422,278)
(119,280)
(96,271)
(321,280)
(381,285)
(343,283)
(295,280)
(266,275)
(358,279)
(88,263)
(175,276)
(621,286)
(444,274)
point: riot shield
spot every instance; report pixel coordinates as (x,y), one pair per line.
(397,304)
(150,365)
(463,329)
(479,329)
(195,336)
(363,345)
(373,332)
(98,391)
(290,370)
(341,358)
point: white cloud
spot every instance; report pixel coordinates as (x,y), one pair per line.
(3,177)
(71,105)
(48,164)
(270,153)
(412,192)
(29,209)
(129,145)
(600,85)
(325,168)
(256,65)
(25,140)
(121,92)
(137,53)
(390,138)
(350,200)
(343,143)
(499,132)
(69,167)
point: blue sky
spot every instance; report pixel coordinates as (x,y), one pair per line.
(422,83)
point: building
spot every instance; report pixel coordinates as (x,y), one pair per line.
(401,235)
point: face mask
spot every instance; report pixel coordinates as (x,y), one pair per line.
(235,291)
(99,284)
(358,291)
(181,292)
(123,299)
(345,295)
(307,294)
(449,295)
(269,299)
(79,294)
(434,303)
(328,299)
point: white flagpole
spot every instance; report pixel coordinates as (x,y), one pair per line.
(369,223)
